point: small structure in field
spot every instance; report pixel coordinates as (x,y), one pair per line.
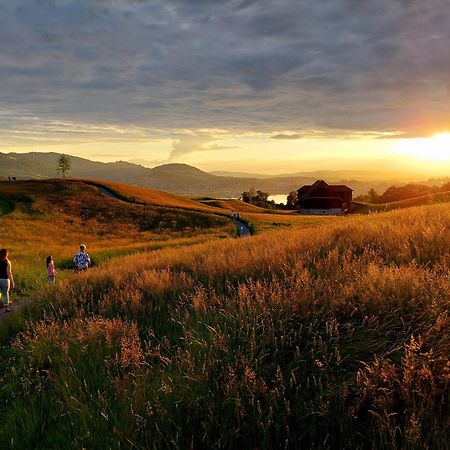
(325,199)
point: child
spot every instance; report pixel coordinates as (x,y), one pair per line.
(51,272)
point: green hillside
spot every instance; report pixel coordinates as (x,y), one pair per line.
(431,199)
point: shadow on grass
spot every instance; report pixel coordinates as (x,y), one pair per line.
(6,207)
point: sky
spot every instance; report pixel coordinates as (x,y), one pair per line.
(273,86)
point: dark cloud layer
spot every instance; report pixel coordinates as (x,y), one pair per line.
(235,64)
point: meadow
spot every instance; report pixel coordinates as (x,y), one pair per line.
(329,336)
(41,218)
(429,199)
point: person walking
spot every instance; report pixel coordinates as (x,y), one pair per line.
(6,278)
(81,260)
(51,271)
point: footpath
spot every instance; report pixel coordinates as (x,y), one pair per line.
(243,231)
(14,308)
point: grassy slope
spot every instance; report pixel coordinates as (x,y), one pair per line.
(263,220)
(440,197)
(153,197)
(233,205)
(53,217)
(336,336)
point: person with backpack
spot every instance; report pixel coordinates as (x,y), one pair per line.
(81,260)
(6,278)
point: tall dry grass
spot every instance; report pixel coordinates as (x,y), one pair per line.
(336,336)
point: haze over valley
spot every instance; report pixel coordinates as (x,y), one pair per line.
(187,180)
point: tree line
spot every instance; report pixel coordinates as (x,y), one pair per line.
(261,199)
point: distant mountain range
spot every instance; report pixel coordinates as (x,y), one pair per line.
(187,180)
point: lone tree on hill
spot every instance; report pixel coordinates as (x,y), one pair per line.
(64,165)
(373,196)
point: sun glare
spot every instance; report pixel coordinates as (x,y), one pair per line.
(435,148)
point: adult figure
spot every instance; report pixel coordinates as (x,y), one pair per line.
(81,260)
(6,278)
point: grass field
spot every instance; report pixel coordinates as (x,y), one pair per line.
(233,205)
(153,197)
(263,222)
(54,217)
(334,336)
(430,199)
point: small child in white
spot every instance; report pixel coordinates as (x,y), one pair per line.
(51,272)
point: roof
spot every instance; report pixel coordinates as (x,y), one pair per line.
(322,183)
(322,195)
(340,187)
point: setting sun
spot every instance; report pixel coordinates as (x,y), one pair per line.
(435,148)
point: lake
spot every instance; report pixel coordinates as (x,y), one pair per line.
(280,198)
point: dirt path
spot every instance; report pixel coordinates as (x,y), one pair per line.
(108,193)
(243,230)
(16,306)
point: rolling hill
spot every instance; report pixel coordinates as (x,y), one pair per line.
(183,179)
(335,335)
(430,199)
(42,217)
(179,179)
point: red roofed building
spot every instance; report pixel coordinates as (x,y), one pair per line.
(324,198)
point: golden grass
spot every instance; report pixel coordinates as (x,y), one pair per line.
(54,217)
(430,199)
(263,222)
(330,335)
(234,205)
(154,197)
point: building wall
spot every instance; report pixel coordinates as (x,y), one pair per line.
(322,212)
(347,197)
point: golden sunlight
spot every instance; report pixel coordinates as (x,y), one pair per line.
(435,148)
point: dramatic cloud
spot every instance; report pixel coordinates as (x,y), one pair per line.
(198,143)
(338,66)
(285,136)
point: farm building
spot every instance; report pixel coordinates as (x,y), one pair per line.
(323,198)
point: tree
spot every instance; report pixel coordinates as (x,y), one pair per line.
(291,202)
(411,190)
(246,197)
(373,196)
(445,187)
(64,165)
(262,197)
